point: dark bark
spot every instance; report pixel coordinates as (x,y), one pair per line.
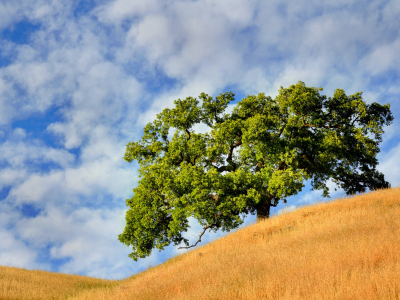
(263,208)
(263,211)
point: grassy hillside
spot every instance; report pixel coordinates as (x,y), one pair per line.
(348,248)
(16,283)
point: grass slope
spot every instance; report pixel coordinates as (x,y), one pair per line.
(348,248)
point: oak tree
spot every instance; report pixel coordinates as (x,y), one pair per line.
(250,159)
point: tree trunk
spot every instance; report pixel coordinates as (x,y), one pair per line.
(263,211)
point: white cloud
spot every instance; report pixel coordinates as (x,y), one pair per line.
(37,187)
(120,10)
(89,179)
(9,13)
(87,237)
(287,209)
(17,151)
(383,58)
(14,252)
(389,165)
(390,12)
(153,33)
(10,176)
(254,82)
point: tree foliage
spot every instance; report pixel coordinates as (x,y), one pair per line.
(250,160)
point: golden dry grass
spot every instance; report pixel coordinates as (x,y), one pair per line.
(348,248)
(18,283)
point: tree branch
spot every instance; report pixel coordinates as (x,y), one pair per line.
(258,167)
(291,130)
(355,120)
(323,126)
(213,197)
(220,169)
(194,160)
(205,228)
(178,162)
(280,132)
(233,146)
(164,219)
(229,159)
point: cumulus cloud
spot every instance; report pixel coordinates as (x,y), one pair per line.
(15,253)
(207,44)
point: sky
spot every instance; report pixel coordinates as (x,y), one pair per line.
(81,79)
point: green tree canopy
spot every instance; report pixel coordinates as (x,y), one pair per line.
(250,160)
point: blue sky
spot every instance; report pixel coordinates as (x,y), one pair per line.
(80,79)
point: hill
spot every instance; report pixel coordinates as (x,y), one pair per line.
(348,248)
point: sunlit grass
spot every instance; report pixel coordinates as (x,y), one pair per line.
(348,248)
(17,283)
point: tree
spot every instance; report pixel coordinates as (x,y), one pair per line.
(250,160)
